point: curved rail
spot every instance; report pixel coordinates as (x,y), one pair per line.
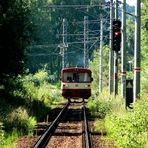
(43,140)
(87,140)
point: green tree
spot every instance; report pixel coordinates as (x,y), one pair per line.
(48,31)
(94,66)
(14,30)
(144,47)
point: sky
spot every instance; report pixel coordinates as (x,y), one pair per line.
(131,2)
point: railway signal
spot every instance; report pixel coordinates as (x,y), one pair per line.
(116,35)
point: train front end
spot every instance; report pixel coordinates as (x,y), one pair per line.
(76,83)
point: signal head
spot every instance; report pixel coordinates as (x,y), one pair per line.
(116,35)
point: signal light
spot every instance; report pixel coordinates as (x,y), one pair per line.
(116,35)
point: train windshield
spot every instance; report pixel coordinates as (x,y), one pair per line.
(77,77)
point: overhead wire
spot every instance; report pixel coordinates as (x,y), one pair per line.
(96,32)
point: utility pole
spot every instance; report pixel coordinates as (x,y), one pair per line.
(137,51)
(111,53)
(123,51)
(85,41)
(100,63)
(116,57)
(64,46)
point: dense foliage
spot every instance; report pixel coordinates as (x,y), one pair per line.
(144,47)
(126,128)
(129,129)
(29,100)
(31,32)
(14,30)
(94,66)
(100,105)
(1,134)
(48,35)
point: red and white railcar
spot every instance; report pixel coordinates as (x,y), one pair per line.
(76,83)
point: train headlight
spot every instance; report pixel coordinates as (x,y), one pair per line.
(76,85)
(65,85)
(87,85)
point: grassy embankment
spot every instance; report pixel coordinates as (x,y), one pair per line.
(25,101)
(125,128)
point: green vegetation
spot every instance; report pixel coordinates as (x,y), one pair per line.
(94,66)
(1,134)
(15,30)
(29,100)
(30,35)
(125,128)
(129,129)
(100,105)
(20,120)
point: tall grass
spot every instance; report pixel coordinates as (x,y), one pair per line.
(26,100)
(130,128)
(20,120)
(126,128)
(10,138)
(104,103)
(1,134)
(38,93)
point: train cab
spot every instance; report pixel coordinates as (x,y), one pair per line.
(76,83)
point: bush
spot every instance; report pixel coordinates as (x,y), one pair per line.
(102,104)
(129,130)
(103,109)
(92,106)
(20,120)
(36,87)
(1,134)
(99,107)
(99,125)
(28,99)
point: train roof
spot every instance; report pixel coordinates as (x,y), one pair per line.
(76,69)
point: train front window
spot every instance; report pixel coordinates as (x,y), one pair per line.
(84,77)
(77,77)
(68,77)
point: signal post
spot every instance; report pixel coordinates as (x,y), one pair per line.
(123,51)
(137,51)
(116,48)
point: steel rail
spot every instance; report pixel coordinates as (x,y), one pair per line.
(43,140)
(87,140)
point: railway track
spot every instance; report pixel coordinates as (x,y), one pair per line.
(69,129)
(87,139)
